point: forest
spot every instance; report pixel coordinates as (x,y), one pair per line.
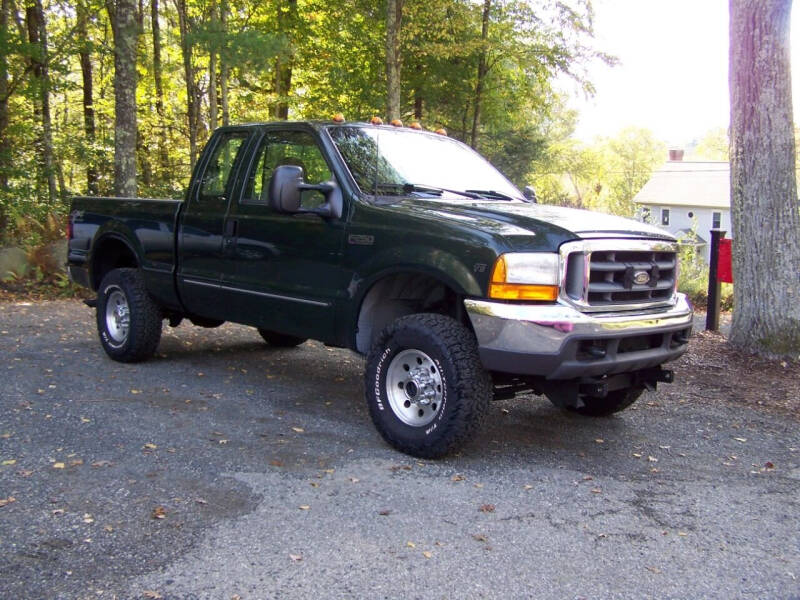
(119,97)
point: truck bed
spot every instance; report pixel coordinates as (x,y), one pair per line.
(148,224)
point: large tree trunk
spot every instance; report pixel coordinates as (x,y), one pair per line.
(188,73)
(482,69)
(764,204)
(223,65)
(37,36)
(81,32)
(284,62)
(158,81)
(394,23)
(123,15)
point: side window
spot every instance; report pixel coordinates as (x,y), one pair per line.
(220,165)
(665,216)
(287,148)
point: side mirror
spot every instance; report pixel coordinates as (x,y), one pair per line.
(284,188)
(530,194)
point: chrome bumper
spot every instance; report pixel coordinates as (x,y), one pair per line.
(551,340)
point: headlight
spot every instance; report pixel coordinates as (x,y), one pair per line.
(525,276)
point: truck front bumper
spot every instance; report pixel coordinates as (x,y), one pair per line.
(559,342)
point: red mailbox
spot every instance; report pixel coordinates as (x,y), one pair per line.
(725,266)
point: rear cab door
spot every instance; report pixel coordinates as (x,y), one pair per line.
(206,232)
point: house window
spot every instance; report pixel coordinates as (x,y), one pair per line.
(665,216)
(716,220)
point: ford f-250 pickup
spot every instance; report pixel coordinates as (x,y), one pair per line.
(405,246)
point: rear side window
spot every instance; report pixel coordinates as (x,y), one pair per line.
(216,176)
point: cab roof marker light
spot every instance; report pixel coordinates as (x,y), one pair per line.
(376,121)
(338,118)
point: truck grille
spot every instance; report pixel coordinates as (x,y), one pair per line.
(619,274)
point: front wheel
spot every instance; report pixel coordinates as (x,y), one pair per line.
(614,402)
(128,320)
(426,389)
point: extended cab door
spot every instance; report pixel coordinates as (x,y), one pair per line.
(288,274)
(205,236)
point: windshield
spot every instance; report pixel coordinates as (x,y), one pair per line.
(389,162)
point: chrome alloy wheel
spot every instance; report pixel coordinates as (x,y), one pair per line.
(414,387)
(118,316)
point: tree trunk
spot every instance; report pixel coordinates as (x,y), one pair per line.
(37,36)
(394,23)
(212,90)
(81,31)
(764,204)
(482,69)
(223,64)
(158,81)
(284,62)
(188,73)
(5,146)
(418,107)
(123,15)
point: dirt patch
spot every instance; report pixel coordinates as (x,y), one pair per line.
(714,371)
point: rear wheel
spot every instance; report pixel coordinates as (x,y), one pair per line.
(614,402)
(128,320)
(280,340)
(426,389)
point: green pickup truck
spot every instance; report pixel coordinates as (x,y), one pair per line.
(404,246)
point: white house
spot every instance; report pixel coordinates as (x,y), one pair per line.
(683,196)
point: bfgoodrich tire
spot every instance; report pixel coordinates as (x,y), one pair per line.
(280,340)
(128,320)
(426,389)
(614,402)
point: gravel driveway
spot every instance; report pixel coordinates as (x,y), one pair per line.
(226,469)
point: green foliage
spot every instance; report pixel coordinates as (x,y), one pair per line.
(605,175)
(315,57)
(714,145)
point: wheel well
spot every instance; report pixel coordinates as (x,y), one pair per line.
(403,294)
(110,253)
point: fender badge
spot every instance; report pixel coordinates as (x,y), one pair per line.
(360,240)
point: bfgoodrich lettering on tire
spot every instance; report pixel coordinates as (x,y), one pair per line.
(128,320)
(426,389)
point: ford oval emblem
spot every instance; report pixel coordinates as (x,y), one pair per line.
(641,277)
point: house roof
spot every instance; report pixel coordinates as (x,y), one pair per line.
(688,183)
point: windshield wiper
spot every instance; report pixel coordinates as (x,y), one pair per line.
(492,194)
(409,188)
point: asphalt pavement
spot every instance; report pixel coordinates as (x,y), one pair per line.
(225,469)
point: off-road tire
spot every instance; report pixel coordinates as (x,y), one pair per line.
(466,386)
(144,317)
(614,402)
(280,340)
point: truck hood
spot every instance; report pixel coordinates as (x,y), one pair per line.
(520,219)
